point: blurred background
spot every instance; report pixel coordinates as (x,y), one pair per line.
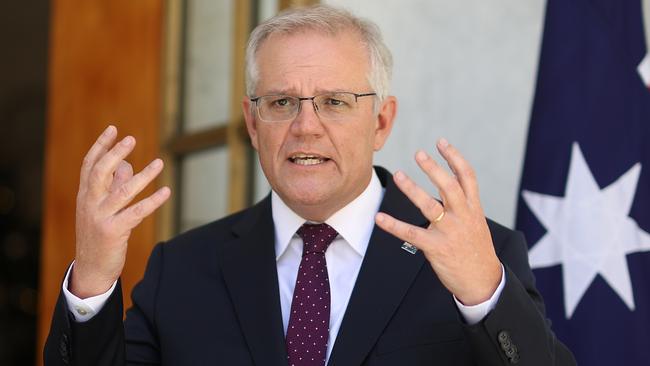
(171,74)
(24,30)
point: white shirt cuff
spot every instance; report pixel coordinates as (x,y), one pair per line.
(84,309)
(475,313)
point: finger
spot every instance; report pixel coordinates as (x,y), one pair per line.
(461,168)
(102,173)
(407,232)
(99,148)
(428,205)
(122,174)
(450,191)
(126,192)
(133,215)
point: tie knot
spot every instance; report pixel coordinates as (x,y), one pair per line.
(316,237)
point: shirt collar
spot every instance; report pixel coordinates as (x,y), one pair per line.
(354,222)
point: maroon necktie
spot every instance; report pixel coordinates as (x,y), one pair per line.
(308,330)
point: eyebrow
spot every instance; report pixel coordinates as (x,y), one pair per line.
(290,92)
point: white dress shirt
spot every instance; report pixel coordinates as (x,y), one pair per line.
(354,224)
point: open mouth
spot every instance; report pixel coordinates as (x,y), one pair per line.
(307,159)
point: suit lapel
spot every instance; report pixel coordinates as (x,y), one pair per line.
(386,274)
(250,272)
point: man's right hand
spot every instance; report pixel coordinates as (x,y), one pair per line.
(103,218)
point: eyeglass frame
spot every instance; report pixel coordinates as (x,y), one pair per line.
(301,99)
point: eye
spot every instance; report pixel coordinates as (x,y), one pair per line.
(334,102)
(339,100)
(278,102)
(281,102)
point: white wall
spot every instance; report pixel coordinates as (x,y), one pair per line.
(464,70)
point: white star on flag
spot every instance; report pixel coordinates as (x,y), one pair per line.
(588,232)
(644,70)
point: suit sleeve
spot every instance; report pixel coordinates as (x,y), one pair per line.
(516,330)
(101,341)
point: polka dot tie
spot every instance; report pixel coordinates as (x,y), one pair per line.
(308,330)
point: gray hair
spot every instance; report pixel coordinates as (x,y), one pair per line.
(330,21)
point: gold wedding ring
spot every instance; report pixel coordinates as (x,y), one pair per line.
(437,219)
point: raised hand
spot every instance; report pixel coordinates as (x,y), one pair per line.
(457,242)
(104,219)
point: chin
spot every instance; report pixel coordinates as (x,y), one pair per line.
(301,198)
(307,196)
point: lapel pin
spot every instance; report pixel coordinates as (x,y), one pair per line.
(409,247)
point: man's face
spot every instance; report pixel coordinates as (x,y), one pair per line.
(303,65)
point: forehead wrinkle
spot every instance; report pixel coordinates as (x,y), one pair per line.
(304,72)
(312,85)
(318,91)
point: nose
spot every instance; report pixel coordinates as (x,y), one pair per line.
(307,121)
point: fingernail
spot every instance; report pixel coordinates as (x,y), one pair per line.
(127,141)
(109,130)
(443,143)
(421,156)
(156,163)
(380,217)
(399,176)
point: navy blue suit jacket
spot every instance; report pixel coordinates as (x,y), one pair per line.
(210,297)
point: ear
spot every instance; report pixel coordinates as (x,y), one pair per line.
(251,123)
(385,118)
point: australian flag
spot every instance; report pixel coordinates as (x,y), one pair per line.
(584,203)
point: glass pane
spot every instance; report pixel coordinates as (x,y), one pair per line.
(204,188)
(266,9)
(208,57)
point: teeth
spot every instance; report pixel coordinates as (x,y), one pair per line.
(308,161)
(302,159)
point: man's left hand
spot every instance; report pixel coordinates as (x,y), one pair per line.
(457,243)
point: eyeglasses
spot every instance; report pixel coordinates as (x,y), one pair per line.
(332,106)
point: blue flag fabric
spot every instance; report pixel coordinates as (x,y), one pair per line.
(585,190)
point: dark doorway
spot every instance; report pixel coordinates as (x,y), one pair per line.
(24,27)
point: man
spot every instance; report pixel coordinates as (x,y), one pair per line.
(341,264)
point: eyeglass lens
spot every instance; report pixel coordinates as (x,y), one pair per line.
(330,106)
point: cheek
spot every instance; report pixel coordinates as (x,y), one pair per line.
(360,146)
(269,146)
